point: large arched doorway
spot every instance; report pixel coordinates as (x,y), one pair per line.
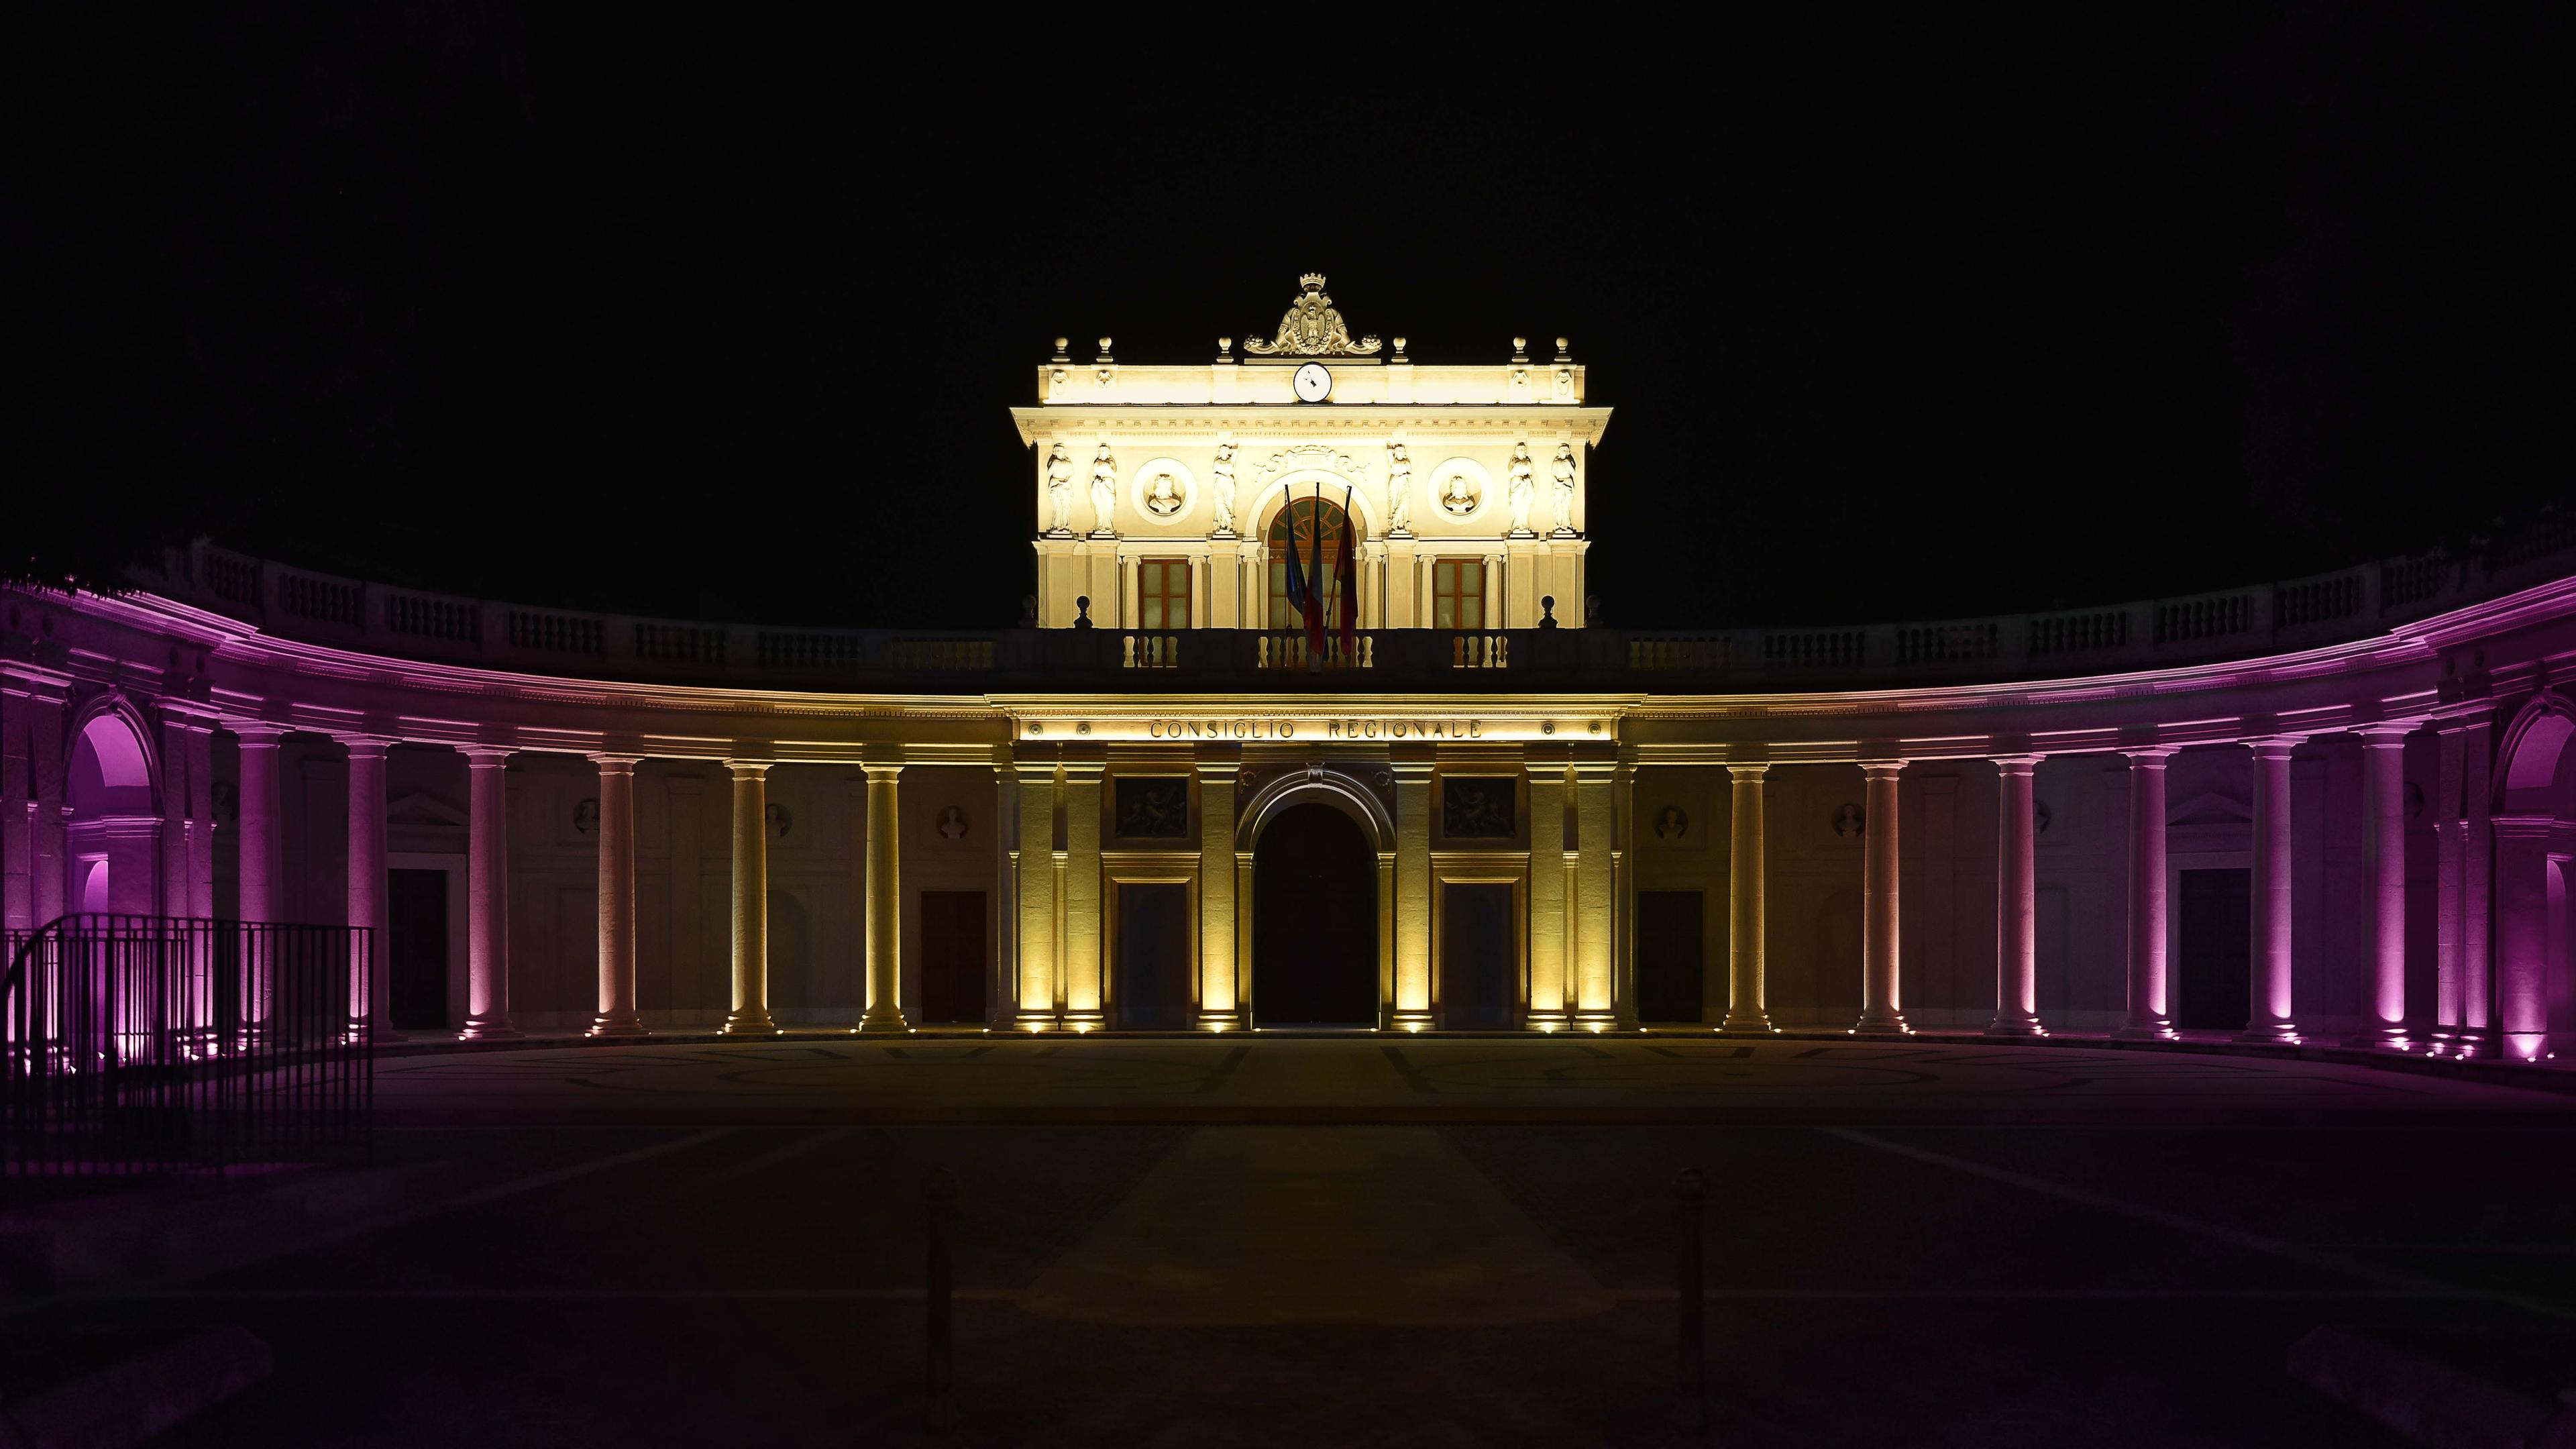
(113,833)
(1298,523)
(2535,847)
(1314,923)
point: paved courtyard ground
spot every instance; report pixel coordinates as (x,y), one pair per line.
(1427,1242)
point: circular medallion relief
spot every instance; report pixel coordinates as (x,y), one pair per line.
(1459,486)
(1162,490)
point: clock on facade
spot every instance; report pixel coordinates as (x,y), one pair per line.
(1314,382)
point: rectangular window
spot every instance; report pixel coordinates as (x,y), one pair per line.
(1458,593)
(1163,593)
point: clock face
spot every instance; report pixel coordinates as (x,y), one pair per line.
(1314,382)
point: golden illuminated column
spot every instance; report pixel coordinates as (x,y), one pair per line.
(616,898)
(1006,888)
(1220,1006)
(1401,611)
(1595,910)
(750,900)
(885,902)
(1547,893)
(1744,1010)
(1412,895)
(2268,1012)
(1879,1012)
(2016,901)
(1623,893)
(1082,895)
(2147,1016)
(1037,945)
(487,894)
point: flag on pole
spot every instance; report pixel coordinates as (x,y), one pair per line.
(1314,604)
(1297,585)
(1346,578)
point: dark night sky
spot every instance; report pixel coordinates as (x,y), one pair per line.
(1900,320)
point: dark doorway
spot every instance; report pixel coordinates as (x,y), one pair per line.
(952,956)
(1668,955)
(1314,923)
(416,932)
(1154,957)
(1477,959)
(2217,951)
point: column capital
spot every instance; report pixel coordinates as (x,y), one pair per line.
(617,764)
(748,769)
(2522,827)
(2273,747)
(881,770)
(486,757)
(256,734)
(1743,773)
(371,747)
(1882,769)
(2016,764)
(2385,734)
(2149,757)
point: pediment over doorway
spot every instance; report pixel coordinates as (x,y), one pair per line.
(2209,808)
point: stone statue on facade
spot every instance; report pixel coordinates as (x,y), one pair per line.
(1518,487)
(1399,490)
(1104,492)
(1221,489)
(1059,486)
(1562,471)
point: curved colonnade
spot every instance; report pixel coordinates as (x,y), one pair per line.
(1996,856)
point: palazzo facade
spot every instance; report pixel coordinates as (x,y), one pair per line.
(2339,808)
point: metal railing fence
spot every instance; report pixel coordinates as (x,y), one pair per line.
(135,1045)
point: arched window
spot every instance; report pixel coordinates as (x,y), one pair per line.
(1297,524)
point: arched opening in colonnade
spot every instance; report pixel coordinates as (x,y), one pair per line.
(2535,842)
(1315,920)
(112,833)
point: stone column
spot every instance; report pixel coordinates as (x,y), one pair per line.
(1745,1014)
(616,898)
(750,1016)
(2147,1009)
(2016,901)
(1220,1003)
(1623,895)
(262,862)
(2448,1007)
(1412,895)
(487,894)
(17,811)
(201,820)
(174,813)
(1084,908)
(1549,1002)
(1595,908)
(2383,868)
(885,902)
(1496,616)
(2269,1009)
(45,764)
(369,970)
(1037,946)
(1879,1011)
(2477,860)
(1002,987)
(2522,933)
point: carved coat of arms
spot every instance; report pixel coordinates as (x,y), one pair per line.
(1311,328)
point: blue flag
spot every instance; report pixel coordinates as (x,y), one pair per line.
(1298,587)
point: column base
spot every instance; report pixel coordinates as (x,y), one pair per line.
(880,1023)
(2268,1033)
(2391,1038)
(1548,1021)
(370,1035)
(1596,1021)
(614,1026)
(1220,1021)
(2155,1029)
(1409,1021)
(1756,1022)
(2024,1024)
(1082,1022)
(1033,1019)
(749,1023)
(2469,1042)
(1886,1021)
(494,1028)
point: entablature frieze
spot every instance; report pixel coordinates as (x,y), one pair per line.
(1357,422)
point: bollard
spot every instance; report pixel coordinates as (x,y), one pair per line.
(1690,1215)
(940,1412)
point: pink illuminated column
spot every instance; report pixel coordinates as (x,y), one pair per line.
(2147,1014)
(2524,887)
(1744,1010)
(2477,864)
(616,898)
(487,895)
(2449,1010)
(2016,902)
(884,902)
(257,801)
(1879,1014)
(2268,1010)
(367,890)
(2383,871)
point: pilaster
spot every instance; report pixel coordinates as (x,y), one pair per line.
(1082,894)
(1220,970)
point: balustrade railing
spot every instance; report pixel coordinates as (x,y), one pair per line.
(133,1045)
